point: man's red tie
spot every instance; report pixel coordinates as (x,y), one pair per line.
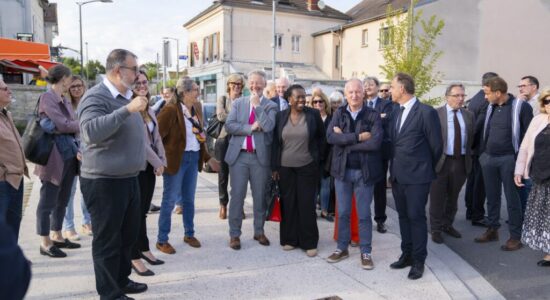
(251,120)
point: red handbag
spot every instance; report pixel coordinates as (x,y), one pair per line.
(275,213)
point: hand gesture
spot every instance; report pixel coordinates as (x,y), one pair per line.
(275,176)
(337,129)
(363,136)
(254,99)
(518,180)
(215,165)
(137,104)
(159,170)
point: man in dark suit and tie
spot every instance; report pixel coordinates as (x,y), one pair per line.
(475,189)
(417,145)
(457,127)
(384,108)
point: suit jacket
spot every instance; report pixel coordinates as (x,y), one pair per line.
(237,126)
(416,149)
(469,124)
(173,133)
(277,100)
(385,108)
(478,106)
(316,136)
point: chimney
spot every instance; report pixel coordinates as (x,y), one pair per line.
(312,5)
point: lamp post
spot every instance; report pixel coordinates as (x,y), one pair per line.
(177,54)
(274,42)
(80,21)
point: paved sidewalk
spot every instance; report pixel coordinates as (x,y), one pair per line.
(255,272)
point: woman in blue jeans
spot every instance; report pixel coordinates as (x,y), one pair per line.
(181,130)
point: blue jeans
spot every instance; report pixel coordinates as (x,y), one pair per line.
(68,220)
(11,206)
(524,193)
(182,184)
(353,183)
(324,193)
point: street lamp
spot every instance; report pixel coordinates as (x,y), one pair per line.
(177,54)
(80,21)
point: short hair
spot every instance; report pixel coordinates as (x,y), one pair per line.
(487,76)
(372,78)
(497,84)
(234,77)
(117,58)
(319,93)
(543,95)
(353,80)
(257,72)
(56,73)
(278,80)
(407,81)
(184,85)
(336,96)
(453,85)
(532,80)
(291,88)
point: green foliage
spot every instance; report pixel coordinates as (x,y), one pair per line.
(410,51)
(93,68)
(72,63)
(151,69)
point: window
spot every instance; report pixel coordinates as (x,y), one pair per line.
(296,43)
(279,41)
(205,50)
(215,46)
(365,38)
(337,57)
(386,39)
(211,48)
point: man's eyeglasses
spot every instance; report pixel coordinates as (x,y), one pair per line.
(383,91)
(77,86)
(133,69)
(144,83)
(546,101)
(5,89)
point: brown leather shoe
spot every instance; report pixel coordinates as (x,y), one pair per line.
(511,245)
(262,239)
(178,210)
(235,243)
(437,237)
(166,248)
(223,212)
(192,241)
(490,235)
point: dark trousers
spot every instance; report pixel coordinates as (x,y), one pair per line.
(147,180)
(11,206)
(299,220)
(380,196)
(114,206)
(53,200)
(498,172)
(410,201)
(220,149)
(475,192)
(444,193)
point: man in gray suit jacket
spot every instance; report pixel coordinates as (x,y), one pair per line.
(457,127)
(250,124)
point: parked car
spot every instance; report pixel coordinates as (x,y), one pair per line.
(209,111)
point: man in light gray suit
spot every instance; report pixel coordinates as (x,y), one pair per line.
(250,124)
(457,127)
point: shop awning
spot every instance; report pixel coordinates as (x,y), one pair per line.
(16,49)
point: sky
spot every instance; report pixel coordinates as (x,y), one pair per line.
(136,25)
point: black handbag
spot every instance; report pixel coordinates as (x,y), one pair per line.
(37,144)
(214,127)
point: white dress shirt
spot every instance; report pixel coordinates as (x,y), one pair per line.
(408,106)
(451,131)
(114,91)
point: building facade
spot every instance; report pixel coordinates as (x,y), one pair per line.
(30,20)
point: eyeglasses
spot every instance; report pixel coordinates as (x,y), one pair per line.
(5,89)
(458,96)
(524,85)
(317,101)
(546,101)
(144,83)
(236,84)
(133,69)
(384,91)
(77,86)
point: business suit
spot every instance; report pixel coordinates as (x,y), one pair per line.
(416,148)
(249,166)
(278,100)
(474,196)
(451,169)
(384,108)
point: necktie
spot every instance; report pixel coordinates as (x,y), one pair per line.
(370,104)
(457,147)
(398,125)
(251,119)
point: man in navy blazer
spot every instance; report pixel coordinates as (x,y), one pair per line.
(384,108)
(417,145)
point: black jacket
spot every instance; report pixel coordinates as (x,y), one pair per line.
(344,143)
(316,132)
(478,105)
(385,108)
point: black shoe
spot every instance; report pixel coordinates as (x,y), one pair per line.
(381,227)
(134,287)
(416,271)
(543,263)
(403,262)
(437,237)
(124,297)
(327,217)
(66,244)
(154,208)
(53,251)
(144,273)
(450,230)
(481,223)
(152,262)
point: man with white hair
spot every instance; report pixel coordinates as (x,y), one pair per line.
(281,85)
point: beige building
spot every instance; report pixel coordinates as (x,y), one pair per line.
(504,36)
(236,36)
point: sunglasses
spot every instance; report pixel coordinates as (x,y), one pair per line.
(546,101)
(384,91)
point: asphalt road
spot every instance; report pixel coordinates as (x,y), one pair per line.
(514,274)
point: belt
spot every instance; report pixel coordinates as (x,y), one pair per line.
(452,156)
(246,151)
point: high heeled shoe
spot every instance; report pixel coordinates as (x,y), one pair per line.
(144,273)
(152,262)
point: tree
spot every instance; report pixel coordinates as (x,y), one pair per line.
(151,69)
(92,69)
(72,64)
(409,51)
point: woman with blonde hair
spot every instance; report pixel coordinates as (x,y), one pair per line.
(533,162)
(234,88)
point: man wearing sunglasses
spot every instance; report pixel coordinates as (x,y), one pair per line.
(384,91)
